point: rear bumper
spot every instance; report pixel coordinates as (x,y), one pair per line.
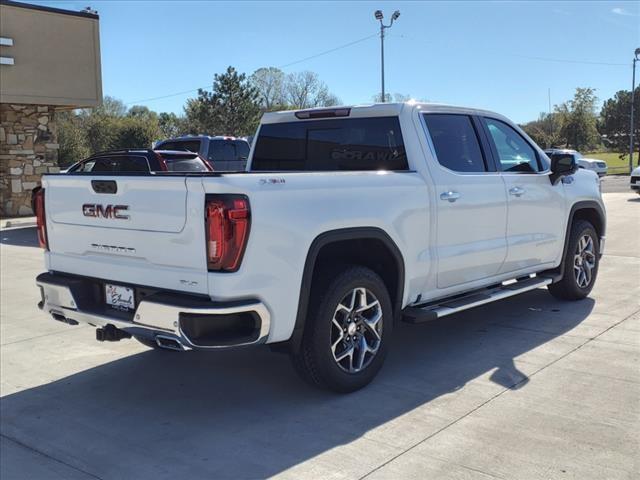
(193,322)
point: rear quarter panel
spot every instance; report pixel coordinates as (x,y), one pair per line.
(289,210)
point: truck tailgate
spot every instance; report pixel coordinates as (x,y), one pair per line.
(144,230)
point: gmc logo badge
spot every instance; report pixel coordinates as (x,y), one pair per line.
(105,211)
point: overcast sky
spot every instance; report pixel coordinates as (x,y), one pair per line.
(502,56)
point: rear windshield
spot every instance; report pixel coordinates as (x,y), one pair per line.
(336,144)
(181,145)
(114,163)
(184,163)
(227,150)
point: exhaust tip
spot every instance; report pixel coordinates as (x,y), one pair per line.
(169,343)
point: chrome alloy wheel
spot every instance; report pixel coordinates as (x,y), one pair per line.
(584,261)
(356,330)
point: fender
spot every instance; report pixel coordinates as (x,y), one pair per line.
(326,238)
(557,273)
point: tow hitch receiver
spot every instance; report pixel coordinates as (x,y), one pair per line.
(110,333)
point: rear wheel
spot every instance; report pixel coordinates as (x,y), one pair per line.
(349,325)
(581,263)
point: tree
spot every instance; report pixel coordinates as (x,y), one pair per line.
(109,127)
(306,90)
(545,131)
(111,107)
(578,122)
(172,125)
(71,138)
(397,97)
(231,108)
(615,118)
(269,82)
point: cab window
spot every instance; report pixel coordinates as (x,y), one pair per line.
(455,141)
(513,151)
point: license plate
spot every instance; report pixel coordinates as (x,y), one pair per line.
(120,298)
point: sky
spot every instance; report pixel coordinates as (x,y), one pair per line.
(501,56)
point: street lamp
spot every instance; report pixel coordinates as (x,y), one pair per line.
(633,93)
(379,16)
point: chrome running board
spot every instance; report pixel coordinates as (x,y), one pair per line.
(475,298)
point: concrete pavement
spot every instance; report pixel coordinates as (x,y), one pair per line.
(528,388)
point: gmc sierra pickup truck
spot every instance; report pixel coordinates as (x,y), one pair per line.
(346,221)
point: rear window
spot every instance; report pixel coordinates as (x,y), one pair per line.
(115,163)
(336,144)
(227,150)
(184,163)
(182,145)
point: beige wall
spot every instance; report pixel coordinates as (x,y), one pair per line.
(56,55)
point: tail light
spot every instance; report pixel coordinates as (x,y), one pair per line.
(228,218)
(41,221)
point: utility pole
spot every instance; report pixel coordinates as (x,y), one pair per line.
(633,94)
(379,16)
(550,118)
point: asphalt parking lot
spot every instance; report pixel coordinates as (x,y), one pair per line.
(529,388)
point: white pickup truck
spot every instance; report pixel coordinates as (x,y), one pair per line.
(346,221)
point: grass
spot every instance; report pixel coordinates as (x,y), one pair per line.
(616,165)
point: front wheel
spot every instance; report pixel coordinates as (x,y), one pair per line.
(581,263)
(347,331)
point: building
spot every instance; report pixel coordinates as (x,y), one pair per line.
(49,61)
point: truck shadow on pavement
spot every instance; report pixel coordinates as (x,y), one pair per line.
(20,237)
(245,414)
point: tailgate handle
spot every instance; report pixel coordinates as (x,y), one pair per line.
(104,186)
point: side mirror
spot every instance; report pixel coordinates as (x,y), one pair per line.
(562,165)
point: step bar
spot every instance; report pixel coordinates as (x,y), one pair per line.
(449,306)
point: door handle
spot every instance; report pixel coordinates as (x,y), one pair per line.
(451,196)
(517,191)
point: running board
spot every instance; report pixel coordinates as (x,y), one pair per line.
(449,306)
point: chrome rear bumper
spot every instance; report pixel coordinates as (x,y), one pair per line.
(156,317)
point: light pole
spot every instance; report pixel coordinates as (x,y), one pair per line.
(633,94)
(379,16)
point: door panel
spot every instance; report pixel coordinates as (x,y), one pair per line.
(535,207)
(471,202)
(535,224)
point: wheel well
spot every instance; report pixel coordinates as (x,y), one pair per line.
(367,246)
(372,253)
(592,216)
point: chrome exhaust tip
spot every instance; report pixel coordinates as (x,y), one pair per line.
(169,343)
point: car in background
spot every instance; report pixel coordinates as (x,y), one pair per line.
(598,166)
(222,152)
(142,161)
(634,182)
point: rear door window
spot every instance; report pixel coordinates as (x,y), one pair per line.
(456,142)
(336,144)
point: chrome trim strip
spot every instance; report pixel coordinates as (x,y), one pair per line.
(158,319)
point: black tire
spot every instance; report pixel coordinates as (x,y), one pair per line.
(568,287)
(148,342)
(315,361)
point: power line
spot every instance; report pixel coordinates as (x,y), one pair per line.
(335,49)
(542,59)
(584,62)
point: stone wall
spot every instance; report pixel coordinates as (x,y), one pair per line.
(28,148)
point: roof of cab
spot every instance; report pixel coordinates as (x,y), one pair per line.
(376,110)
